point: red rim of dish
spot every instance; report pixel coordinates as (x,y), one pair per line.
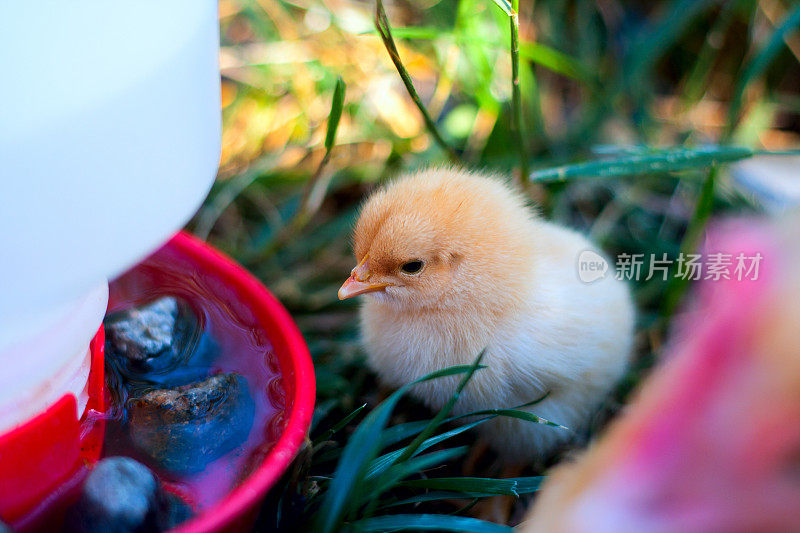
(290,347)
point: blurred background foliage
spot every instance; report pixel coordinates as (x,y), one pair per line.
(598,79)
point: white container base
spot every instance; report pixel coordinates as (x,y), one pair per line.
(49,358)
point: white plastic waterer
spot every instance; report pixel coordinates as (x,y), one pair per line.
(109,141)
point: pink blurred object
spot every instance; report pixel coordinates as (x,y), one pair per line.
(712,441)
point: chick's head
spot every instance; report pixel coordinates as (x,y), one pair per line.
(439,238)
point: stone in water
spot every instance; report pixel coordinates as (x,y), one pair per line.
(122,495)
(185,428)
(154,337)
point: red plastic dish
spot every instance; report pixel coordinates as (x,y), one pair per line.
(46,455)
(238,510)
(37,457)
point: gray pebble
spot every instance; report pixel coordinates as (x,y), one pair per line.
(184,428)
(121,495)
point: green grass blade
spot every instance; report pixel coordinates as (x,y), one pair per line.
(321,410)
(697,78)
(466,484)
(415,465)
(526,485)
(386,460)
(427,522)
(411,32)
(480,60)
(657,38)
(514,413)
(397,433)
(702,212)
(433,496)
(449,371)
(542,398)
(228,193)
(758,65)
(317,185)
(443,413)
(338,426)
(400,432)
(385,31)
(673,160)
(361,449)
(475,485)
(337,104)
(506,6)
(362,446)
(553,60)
(516,96)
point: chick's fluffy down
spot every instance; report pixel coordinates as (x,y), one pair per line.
(498,278)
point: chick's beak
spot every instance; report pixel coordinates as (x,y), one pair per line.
(358,282)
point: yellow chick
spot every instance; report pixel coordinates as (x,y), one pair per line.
(455,263)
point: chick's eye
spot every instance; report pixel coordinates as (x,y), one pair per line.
(412,267)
